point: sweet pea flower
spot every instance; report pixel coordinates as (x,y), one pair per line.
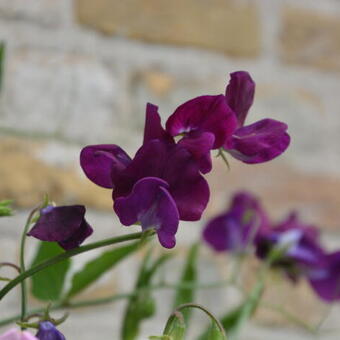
(47,331)
(161,185)
(325,280)
(235,229)
(16,334)
(258,142)
(206,123)
(297,247)
(65,225)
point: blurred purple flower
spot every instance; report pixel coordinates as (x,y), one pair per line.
(258,142)
(325,279)
(158,187)
(16,334)
(296,245)
(47,331)
(235,229)
(65,225)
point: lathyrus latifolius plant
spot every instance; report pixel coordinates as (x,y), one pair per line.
(161,185)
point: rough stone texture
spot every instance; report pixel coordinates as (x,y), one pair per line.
(60,94)
(221,25)
(25,179)
(311,38)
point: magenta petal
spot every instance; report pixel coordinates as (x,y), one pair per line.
(101,162)
(326,280)
(240,94)
(259,142)
(150,204)
(206,114)
(153,128)
(199,145)
(65,225)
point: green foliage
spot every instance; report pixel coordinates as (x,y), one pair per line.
(5,209)
(189,277)
(175,327)
(98,266)
(141,305)
(48,284)
(214,333)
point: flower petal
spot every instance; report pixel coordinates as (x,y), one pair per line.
(326,280)
(100,162)
(206,114)
(153,128)
(259,142)
(199,145)
(47,331)
(16,334)
(62,224)
(240,94)
(150,204)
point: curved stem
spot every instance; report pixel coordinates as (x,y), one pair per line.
(212,316)
(9,264)
(22,265)
(70,253)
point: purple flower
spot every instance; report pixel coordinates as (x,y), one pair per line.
(16,334)
(158,187)
(325,279)
(296,245)
(258,142)
(47,331)
(235,229)
(205,123)
(65,225)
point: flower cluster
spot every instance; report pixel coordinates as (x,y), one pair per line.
(163,183)
(290,245)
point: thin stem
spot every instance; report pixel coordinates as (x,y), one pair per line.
(70,253)
(212,316)
(9,264)
(224,158)
(22,265)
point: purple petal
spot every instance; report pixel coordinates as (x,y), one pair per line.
(224,233)
(65,225)
(101,162)
(240,94)
(205,114)
(199,145)
(47,331)
(187,186)
(259,142)
(153,128)
(150,204)
(16,334)
(176,166)
(326,280)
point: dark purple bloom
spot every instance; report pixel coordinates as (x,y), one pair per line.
(206,123)
(258,142)
(158,187)
(325,279)
(296,245)
(47,331)
(65,225)
(235,229)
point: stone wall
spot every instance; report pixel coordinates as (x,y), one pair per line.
(80,72)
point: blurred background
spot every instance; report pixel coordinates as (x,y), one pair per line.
(80,72)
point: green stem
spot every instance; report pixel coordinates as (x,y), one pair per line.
(22,265)
(70,253)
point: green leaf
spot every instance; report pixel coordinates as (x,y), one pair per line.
(49,283)
(141,306)
(189,276)
(5,209)
(175,327)
(97,267)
